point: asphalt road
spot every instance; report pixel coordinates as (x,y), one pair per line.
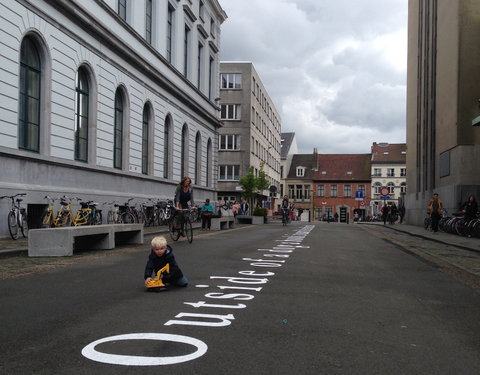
(304,299)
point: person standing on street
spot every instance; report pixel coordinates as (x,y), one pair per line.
(470,208)
(401,212)
(244,207)
(435,207)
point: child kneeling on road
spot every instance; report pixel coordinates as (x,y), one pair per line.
(160,256)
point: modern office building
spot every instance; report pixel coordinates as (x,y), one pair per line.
(250,136)
(443,113)
(108,100)
(388,165)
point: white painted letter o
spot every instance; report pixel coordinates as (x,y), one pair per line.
(130,360)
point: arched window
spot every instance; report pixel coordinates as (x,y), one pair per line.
(377,186)
(167,149)
(82,101)
(184,152)
(208,174)
(198,158)
(118,130)
(391,187)
(145,137)
(403,187)
(29,96)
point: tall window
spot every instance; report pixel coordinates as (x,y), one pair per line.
(199,66)
(377,172)
(229,142)
(210,78)
(299,191)
(306,191)
(347,191)
(118,131)
(320,190)
(122,9)
(362,189)
(166,147)
(145,138)
(390,172)
(198,158)
(208,175)
(29,97)
(391,187)
(171,11)
(291,191)
(81,115)
(231,80)
(230,112)
(184,157)
(333,191)
(377,187)
(212,28)
(186,46)
(201,10)
(148,21)
(403,187)
(403,172)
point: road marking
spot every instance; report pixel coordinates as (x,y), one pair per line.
(129,360)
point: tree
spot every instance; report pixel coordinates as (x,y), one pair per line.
(252,185)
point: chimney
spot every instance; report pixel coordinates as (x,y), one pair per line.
(315,159)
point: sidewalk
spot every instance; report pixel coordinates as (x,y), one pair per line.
(465,243)
(12,247)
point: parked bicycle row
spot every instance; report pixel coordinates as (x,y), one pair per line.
(456,224)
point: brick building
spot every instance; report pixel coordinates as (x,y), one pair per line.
(337,181)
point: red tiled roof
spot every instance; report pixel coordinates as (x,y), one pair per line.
(343,167)
(389,153)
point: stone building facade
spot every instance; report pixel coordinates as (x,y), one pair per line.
(108,100)
(443,113)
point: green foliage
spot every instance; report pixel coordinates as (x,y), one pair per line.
(251,185)
(248,184)
(260,211)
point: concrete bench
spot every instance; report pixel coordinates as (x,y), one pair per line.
(62,241)
(246,219)
(224,222)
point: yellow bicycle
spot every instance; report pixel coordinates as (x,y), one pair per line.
(64,216)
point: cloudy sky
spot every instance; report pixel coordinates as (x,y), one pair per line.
(335,69)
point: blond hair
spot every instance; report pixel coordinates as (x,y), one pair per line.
(159,242)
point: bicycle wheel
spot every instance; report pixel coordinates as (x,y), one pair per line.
(128,218)
(13,225)
(23,224)
(426,222)
(98,218)
(187,225)
(172,228)
(47,220)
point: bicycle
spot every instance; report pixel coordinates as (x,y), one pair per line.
(114,216)
(181,225)
(17,216)
(49,219)
(88,214)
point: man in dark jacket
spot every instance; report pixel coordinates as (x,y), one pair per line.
(160,256)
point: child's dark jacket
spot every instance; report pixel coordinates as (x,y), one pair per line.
(155,263)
